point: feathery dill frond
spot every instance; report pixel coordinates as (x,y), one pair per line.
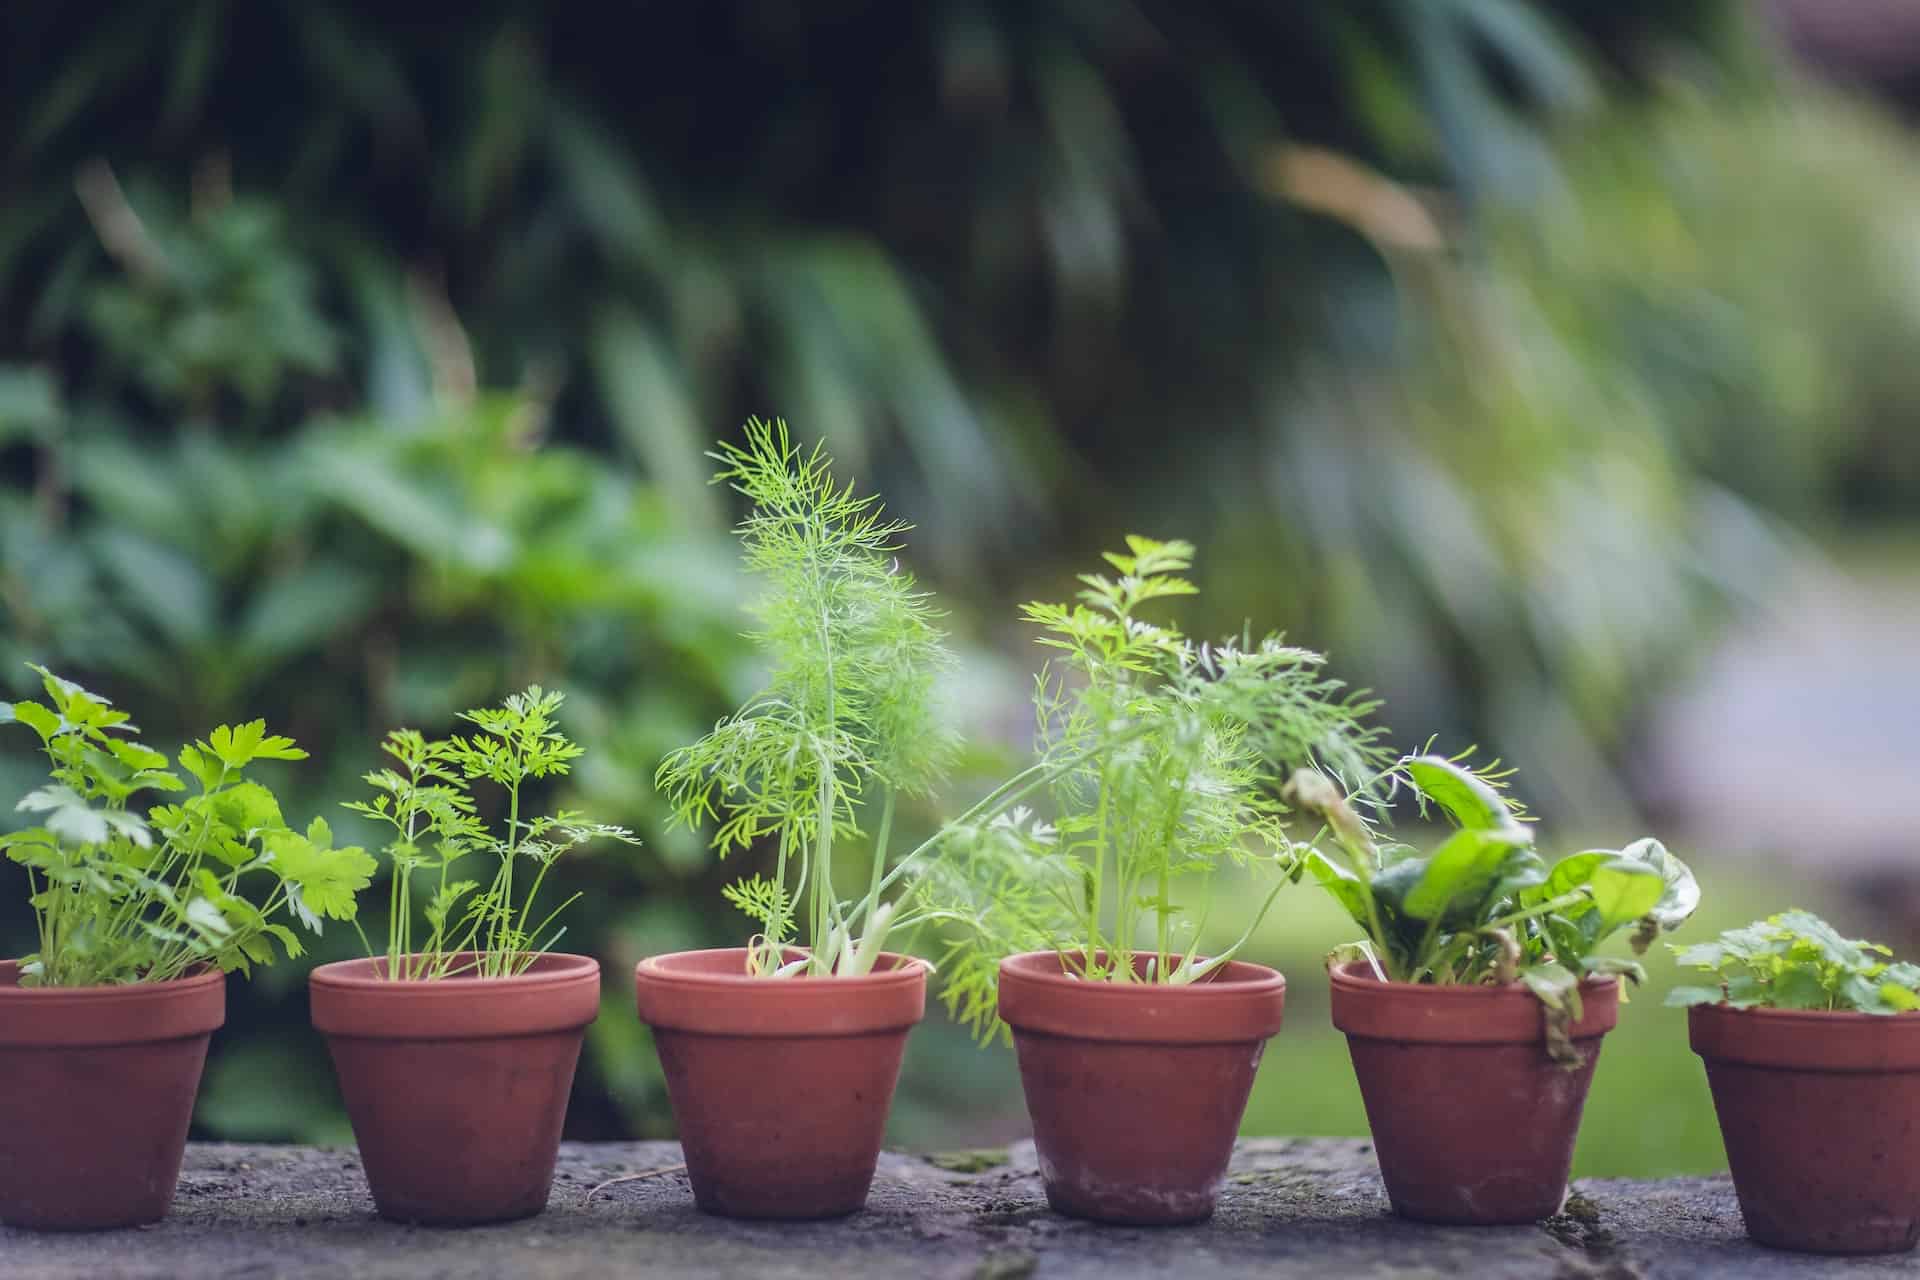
(849,710)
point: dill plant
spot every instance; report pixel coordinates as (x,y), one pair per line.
(119,897)
(847,724)
(426,796)
(1160,762)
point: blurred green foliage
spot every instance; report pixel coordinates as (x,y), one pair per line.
(356,365)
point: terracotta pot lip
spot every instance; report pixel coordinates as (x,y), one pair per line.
(1043,969)
(1355,976)
(106,993)
(1812,1017)
(905,971)
(362,976)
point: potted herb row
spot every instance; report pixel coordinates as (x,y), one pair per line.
(456,1048)
(1475,1006)
(104,1029)
(1812,1050)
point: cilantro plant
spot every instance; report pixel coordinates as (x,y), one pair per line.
(1796,960)
(846,725)
(426,796)
(1160,763)
(1483,906)
(119,897)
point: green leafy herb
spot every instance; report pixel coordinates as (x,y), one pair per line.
(1796,960)
(426,797)
(1160,761)
(122,898)
(846,724)
(1483,906)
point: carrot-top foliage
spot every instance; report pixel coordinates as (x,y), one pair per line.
(426,797)
(213,879)
(1160,761)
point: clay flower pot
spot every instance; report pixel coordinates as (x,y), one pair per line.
(457,1089)
(1136,1089)
(99,1085)
(780,1087)
(1820,1112)
(1472,1122)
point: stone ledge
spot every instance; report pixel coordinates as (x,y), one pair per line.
(1291,1208)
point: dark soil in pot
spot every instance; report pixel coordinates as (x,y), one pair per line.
(1136,1090)
(457,1089)
(780,1086)
(99,1088)
(1473,1123)
(1821,1116)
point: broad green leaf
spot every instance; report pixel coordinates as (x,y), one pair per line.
(1686,997)
(1623,892)
(1680,892)
(1902,998)
(1462,871)
(1345,887)
(38,718)
(246,807)
(1800,987)
(134,755)
(327,879)
(1568,874)
(203,767)
(1469,800)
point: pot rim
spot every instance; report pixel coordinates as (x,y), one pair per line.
(1479,1014)
(1829,1040)
(680,991)
(111,1014)
(902,971)
(560,993)
(365,975)
(1243,1005)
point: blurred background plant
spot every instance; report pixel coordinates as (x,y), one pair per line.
(356,366)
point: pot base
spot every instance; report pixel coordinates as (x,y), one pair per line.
(100,1083)
(457,1088)
(780,1086)
(1136,1089)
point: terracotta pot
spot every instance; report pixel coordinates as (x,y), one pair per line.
(457,1089)
(1472,1122)
(98,1094)
(1136,1089)
(1821,1116)
(780,1087)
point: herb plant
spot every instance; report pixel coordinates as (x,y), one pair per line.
(122,898)
(426,797)
(1160,763)
(846,725)
(1796,960)
(1483,906)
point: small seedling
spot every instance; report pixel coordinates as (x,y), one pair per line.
(1796,960)
(426,796)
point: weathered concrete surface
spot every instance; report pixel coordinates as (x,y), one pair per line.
(1291,1209)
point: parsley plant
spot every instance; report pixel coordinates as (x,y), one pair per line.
(122,898)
